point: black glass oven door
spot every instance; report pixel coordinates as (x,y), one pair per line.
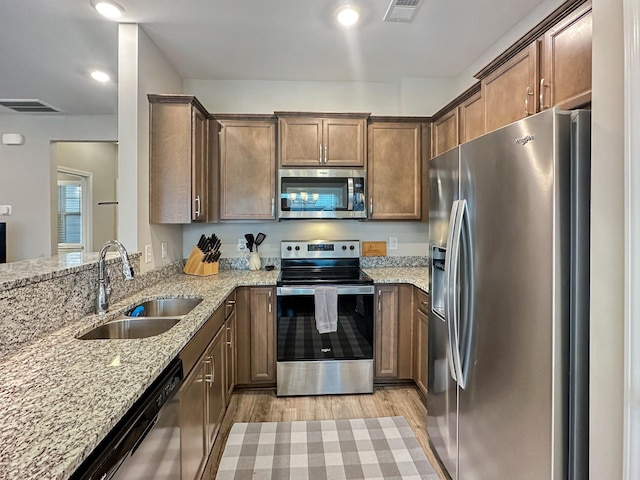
(298,338)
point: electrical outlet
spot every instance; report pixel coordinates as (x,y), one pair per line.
(165,249)
(148,254)
(5,209)
(393,243)
(242,245)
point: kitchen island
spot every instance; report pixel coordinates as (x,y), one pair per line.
(61,396)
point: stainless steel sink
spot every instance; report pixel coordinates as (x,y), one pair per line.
(155,317)
(130,327)
(164,307)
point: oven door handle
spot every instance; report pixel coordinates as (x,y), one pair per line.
(310,290)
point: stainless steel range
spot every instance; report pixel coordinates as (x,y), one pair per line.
(324,319)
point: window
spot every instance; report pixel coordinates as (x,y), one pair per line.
(70,214)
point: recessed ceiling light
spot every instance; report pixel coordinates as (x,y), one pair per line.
(347,15)
(108,9)
(100,76)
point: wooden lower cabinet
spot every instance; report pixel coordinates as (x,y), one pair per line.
(255,330)
(202,407)
(421,340)
(193,434)
(393,332)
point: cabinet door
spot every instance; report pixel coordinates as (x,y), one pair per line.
(216,384)
(421,336)
(199,166)
(445,133)
(262,335)
(566,65)
(471,115)
(510,93)
(247,170)
(344,144)
(394,171)
(193,435)
(301,142)
(230,352)
(386,332)
(422,354)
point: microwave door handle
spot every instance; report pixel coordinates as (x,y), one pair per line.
(351,194)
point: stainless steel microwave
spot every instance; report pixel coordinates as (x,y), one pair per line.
(321,193)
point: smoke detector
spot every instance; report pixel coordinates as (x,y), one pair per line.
(402,10)
(28,105)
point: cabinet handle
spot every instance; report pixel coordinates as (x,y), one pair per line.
(526,101)
(211,377)
(542,107)
(197,212)
(269,301)
(273,207)
(325,153)
(379,300)
(320,154)
(425,303)
(229,337)
(371,206)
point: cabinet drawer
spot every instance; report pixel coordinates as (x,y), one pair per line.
(422,301)
(196,347)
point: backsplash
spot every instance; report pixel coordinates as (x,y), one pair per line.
(40,296)
(365,262)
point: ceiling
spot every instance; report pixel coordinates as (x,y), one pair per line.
(56,43)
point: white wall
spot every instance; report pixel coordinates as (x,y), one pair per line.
(101,160)
(412,236)
(27,174)
(249,96)
(607,243)
(143,69)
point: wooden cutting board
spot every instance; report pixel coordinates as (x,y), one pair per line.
(374,249)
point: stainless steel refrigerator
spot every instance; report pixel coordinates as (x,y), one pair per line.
(508,327)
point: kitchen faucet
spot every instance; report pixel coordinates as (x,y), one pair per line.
(104,286)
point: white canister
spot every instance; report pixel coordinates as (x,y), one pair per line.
(253,259)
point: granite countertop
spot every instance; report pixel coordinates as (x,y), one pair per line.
(45,385)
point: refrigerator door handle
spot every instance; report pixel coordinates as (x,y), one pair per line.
(463,303)
(449,289)
(454,290)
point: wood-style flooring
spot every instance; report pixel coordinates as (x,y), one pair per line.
(265,406)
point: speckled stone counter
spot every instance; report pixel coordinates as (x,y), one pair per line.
(418,276)
(60,396)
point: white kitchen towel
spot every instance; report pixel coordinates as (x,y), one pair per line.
(326,300)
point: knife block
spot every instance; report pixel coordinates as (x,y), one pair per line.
(195,265)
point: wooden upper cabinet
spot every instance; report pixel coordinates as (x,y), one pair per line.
(247,169)
(310,141)
(566,62)
(471,117)
(179,186)
(444,132)
(510,93)
(394,171)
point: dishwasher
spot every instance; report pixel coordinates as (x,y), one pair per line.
(145,444)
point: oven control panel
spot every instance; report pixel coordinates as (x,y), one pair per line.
(320,249)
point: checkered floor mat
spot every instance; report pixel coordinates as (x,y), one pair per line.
(369,448)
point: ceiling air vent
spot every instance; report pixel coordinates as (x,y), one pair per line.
(402,10)
(30,105)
